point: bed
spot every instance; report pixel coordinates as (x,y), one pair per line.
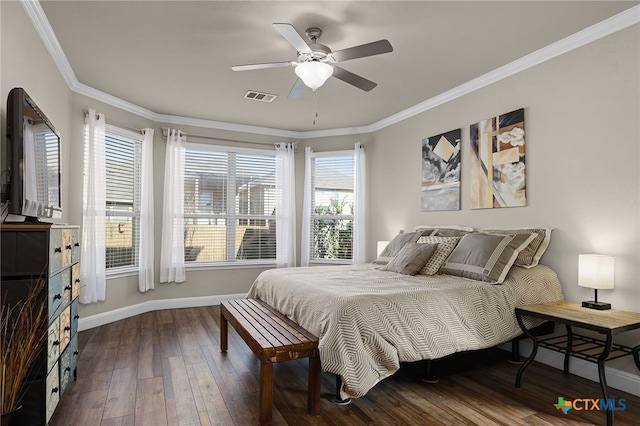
(369,320)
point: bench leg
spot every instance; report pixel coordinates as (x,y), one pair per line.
(315,378)
(266,391)
(224,332)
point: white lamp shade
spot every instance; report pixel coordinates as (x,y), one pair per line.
(595,271)
(381,246)
(314,73)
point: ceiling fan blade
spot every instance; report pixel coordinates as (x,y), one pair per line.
(353,79)
(297,89)
(293,37)
(364,50)
(262,66)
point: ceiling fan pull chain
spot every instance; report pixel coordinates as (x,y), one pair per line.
(315,97)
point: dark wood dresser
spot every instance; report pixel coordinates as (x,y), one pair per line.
(30,252)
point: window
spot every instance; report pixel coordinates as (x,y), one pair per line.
(332,206)
(229,205)
(123,154)
(47,166)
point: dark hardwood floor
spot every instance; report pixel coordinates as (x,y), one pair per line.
(166,368)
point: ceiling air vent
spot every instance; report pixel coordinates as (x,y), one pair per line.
(259,96)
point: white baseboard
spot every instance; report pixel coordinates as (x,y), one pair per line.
(617,379)
(152,305)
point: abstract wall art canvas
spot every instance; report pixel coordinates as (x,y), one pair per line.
(441,171)
(497,162)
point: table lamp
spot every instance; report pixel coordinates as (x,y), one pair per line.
(380,247)
(595,271)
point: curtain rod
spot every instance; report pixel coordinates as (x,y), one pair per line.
(122,126)
(165,132)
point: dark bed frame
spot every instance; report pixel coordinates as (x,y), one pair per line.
(429,376)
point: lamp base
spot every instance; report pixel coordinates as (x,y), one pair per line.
(601,306)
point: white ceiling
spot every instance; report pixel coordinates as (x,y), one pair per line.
(175,57)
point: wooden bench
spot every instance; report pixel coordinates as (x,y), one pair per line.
(273,338)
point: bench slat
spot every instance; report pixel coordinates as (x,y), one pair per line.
(258,327)
(280,326)
(300,332)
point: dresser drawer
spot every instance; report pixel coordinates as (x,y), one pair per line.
(75,354)
(55,251)
(67,247)
(74,317)
(65,369)
(75,281)
(53,345)
(65,328)
(66,287)
(75,255)
(52,391)
(55,294)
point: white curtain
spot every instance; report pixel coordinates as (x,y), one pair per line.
(172,252)
(285,205)
(92,265)
(305,250)
(359,240)
(145,268)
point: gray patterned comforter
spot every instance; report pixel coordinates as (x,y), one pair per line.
(368,321)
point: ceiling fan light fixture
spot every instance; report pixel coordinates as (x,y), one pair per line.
(314,73)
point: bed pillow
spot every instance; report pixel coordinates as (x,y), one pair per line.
(437,259)
(445,230)
(396,244)
(410,259)
(485,257)
(530,256)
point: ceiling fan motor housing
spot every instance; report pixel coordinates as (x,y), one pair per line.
(319,52)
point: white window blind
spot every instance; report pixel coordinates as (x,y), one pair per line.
(332,207)
(229,205)
(123,152)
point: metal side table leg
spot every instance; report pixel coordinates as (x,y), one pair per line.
(567,354)
(534,351)
(603,379)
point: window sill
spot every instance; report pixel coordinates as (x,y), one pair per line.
(205,266)
(121,272)
(327,262)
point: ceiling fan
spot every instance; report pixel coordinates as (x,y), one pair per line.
(316,62)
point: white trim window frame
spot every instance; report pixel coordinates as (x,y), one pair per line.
(332,205)
(229,207)
(123,155)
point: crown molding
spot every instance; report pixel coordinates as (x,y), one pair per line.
(597,31)
(41,24)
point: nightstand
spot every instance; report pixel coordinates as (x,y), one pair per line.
(608,323)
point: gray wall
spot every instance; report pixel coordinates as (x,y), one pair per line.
(582,127)
(582,121)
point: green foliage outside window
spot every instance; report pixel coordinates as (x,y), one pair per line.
(333,237)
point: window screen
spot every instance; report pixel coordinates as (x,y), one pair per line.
(123,152)
(229,205)
(332,207)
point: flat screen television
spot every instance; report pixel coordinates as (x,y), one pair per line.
(31,189)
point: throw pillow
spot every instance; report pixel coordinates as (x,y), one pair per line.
(437,259)
(530,256)
(410,259)
(486,257)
